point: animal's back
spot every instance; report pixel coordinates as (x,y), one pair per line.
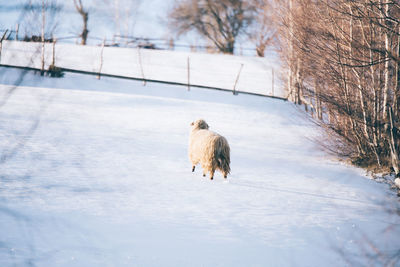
(201,143)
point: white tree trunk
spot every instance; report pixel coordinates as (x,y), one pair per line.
(43,31)
(291,91)
(385,7)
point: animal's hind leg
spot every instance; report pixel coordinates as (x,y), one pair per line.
(212,174)
(204,170)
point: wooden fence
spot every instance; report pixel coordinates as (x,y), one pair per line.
(226,72)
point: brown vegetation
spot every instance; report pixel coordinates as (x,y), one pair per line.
(343,61)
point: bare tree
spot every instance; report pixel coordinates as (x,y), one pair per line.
(264,29)
(85,17)
(35,29)
(219,21)
(124,14)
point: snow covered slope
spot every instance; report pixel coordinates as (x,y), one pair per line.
(95,173)
(256,75)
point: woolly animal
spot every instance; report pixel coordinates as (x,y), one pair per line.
(209,149)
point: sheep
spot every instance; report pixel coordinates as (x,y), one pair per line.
(209,149)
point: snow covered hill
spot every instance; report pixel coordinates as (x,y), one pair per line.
(95,173)
(245,74)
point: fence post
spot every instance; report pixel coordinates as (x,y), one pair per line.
(16,32)
(188,72)
(141,67)
(237,79)
(101,58)
(171,44)
(43,37)
(4,35)
(54,52)
(273,80)
(1,43)
(42,64)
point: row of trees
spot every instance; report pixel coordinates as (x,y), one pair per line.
(45,16)
(222,23)
(343,61)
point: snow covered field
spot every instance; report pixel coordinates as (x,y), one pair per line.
(95,173)
(246,74)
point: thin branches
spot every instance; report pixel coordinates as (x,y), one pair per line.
(344,55)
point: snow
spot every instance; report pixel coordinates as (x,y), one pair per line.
(101,177)
(397,182)
(247,74)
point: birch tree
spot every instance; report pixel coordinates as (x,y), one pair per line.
(124,15)
(263,30)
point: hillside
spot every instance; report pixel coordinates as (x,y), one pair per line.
(95,173)
(254,75)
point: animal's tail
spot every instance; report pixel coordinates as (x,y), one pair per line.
(222,154)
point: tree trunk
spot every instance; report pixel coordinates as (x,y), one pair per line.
(85,31)
(298,83)
(396,101)
(318,109)
(387,65)
(43,31)
(230,47)
(395,138)
(85,18)
(394,152)
(291,91)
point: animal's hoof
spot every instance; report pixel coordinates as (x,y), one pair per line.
(211,178)
(193,168)
(204,175)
